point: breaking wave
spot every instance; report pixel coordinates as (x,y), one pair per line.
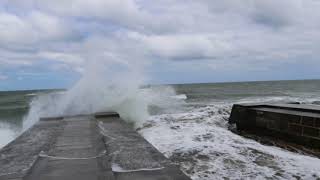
(94,94)
(199,140)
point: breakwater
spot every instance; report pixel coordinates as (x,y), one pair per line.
(97,146)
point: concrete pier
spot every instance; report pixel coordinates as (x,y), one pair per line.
(100,146)
(295,123)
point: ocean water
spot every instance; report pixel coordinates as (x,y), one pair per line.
(193,132)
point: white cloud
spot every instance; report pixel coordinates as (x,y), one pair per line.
(48,27)
(28,29)
(71,59)
(111,9)
(3,77)
(133,32)
(13,29)
(184,46)
(125,12)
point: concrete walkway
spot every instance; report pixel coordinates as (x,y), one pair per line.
(84,148)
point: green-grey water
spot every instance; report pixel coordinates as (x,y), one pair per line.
(242,90)
(195,135)
(15,104)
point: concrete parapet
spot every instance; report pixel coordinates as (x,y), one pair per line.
(295,123)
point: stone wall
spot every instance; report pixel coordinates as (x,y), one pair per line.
(295,125)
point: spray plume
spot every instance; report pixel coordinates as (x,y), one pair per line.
(104,86)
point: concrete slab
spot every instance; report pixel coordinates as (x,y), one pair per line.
(169,173)
(78,156)
(17,157)
(132,157)
(84,148)
(79,169)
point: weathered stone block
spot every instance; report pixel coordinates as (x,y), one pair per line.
(272,124)
(293,119)
(295,129)
(262,122)
(271,115)
(308,131)
(308,121)
(317,122)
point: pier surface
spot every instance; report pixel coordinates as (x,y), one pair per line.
(100,146)
(297,123)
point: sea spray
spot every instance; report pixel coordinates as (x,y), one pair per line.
(104,86)
(7,134)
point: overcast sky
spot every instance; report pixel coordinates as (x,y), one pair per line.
(49,43)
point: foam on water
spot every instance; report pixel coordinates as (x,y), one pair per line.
(199,140)
(180,96)
(31,94)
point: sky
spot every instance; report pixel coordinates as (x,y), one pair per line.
(51,43)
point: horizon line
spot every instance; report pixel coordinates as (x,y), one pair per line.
(160,84)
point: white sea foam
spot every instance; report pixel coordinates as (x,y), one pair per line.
(117,168)
(201,143)
(31,94)
(180,96)
(7,134)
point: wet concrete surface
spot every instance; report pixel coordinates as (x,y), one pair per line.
(132,157)
(84,147)
(18,156)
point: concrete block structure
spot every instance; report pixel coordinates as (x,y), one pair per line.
(296,123)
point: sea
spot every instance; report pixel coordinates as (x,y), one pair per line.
(194,133)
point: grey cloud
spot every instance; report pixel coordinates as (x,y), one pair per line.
(170,29)
(277,13)
(271,13)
